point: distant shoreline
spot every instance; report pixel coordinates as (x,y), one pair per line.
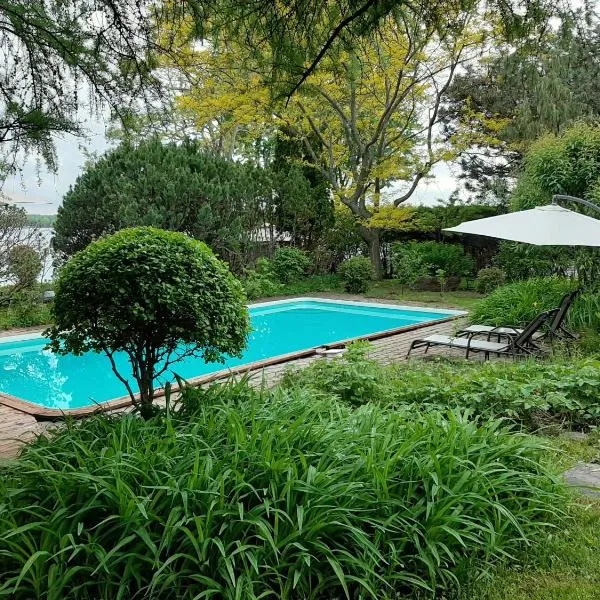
(41,220)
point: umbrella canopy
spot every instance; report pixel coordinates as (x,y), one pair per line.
(550,225)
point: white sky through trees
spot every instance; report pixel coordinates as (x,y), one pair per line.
(41,191)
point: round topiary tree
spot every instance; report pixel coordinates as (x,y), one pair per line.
(158,296)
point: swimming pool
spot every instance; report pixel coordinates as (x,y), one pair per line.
(31,373)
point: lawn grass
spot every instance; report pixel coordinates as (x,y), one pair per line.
(566,565)
(386,289)
(392,290)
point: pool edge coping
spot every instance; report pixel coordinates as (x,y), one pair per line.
(55,414)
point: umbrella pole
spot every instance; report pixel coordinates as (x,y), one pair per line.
(581,201)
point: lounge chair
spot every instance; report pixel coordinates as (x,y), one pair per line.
(519,345)
(556,328)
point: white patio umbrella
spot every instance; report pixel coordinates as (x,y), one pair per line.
(550,225)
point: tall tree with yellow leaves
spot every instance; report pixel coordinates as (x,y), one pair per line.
(367,116)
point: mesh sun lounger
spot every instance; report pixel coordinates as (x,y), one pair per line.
(519,345)
(555,329)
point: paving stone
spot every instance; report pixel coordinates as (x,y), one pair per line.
(585,477)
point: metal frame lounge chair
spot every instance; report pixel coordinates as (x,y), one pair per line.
(519,345)
(555,329)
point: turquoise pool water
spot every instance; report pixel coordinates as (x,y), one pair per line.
(30,372)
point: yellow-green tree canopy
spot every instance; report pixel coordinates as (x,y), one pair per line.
(367,116)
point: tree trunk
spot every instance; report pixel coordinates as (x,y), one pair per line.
(146,385)
(372,238)
(375,252)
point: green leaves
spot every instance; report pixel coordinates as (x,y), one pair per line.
(532,394)
(147,292)
(243,494)
(178,187)
(412,260)
(518,303)
(357,274)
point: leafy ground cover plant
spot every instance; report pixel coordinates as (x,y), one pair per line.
(532,394)
(247,495)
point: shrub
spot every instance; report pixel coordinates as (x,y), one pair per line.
(489,279)
(519,302)
(25,310)
(290,264)
(157,296)
(523,261)
(259,285)
(408,264)
(184,187)
(529,393)
(357,274)
(427,258)
(352,380)
(286,497)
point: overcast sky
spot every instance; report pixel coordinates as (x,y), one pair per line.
(41,192)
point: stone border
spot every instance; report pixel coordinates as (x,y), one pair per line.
(54,414)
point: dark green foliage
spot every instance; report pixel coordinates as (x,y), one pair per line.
(408,264)
(146,292)
(278,495)
(357,274)
(24,265)
(302,203)
(261,283)
(25,310)
(517,303)
(290,264)
(568,163)
(418,259)
(530,393)
(340,241)
(489,279)
(522,261)
(176,187)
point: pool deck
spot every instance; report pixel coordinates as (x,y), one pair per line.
(18,427)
